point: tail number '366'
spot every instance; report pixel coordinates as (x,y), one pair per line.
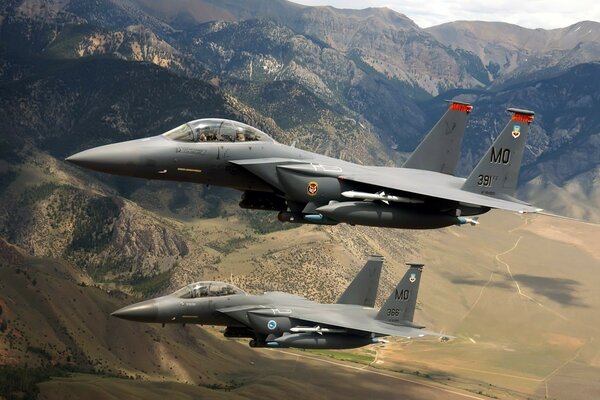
(393,312)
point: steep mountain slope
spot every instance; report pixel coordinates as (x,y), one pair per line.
(392,44)
(577,197)
(402,52)
(135,43)
(456,54)
(65,106)
(189,53)
(263,51)
(386,41)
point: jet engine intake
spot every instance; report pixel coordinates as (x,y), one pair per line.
(262,201)
(269,324)
(238,332)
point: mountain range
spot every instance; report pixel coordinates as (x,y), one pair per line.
(362,85)
(354,76)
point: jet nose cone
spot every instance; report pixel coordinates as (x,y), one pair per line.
(79,158)
(146,311)
(119,158)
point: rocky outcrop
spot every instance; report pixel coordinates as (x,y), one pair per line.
(141,236)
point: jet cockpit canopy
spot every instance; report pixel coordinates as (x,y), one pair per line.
(216,130)
(207,289)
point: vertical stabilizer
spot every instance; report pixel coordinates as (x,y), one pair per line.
(498,171)
(440,149)
(400,306)
(362,290)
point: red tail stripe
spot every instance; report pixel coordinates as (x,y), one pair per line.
(522,118)
(461,107)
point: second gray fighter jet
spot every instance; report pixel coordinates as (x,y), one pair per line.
(276,319)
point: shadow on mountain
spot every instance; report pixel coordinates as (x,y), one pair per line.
(559,290)
(482,282)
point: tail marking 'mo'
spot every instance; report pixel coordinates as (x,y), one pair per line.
(498,171)
(399,308)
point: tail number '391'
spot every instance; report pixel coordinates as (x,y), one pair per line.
(486,180)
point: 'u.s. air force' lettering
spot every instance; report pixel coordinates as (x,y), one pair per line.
(500,156)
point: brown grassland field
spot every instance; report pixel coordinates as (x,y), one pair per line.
(518,293)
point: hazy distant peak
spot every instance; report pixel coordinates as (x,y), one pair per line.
(537,40)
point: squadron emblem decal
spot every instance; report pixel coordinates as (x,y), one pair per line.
(312,188)
(516,132)
(413,278)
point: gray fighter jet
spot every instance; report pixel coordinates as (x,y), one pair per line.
(276,319)
(310,188)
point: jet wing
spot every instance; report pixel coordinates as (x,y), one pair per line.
(240,313)
(357,321)
(431,184)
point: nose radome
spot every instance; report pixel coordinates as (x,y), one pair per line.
(146,311)
(111,158)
